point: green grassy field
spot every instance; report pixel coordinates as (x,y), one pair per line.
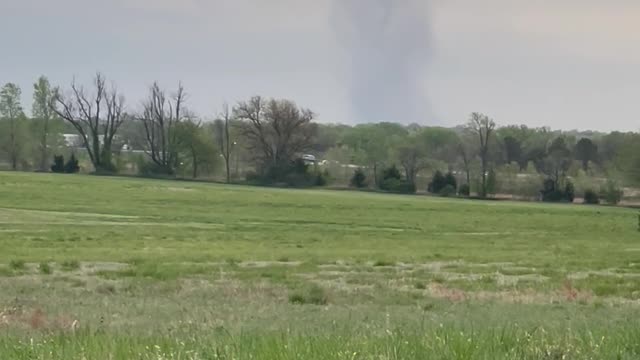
(116,268)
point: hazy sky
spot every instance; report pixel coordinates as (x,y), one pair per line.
(567,64)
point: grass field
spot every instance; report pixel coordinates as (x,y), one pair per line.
(116,268)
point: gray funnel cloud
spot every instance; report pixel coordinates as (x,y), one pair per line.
(387,48)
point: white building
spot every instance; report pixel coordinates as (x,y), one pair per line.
(72,140)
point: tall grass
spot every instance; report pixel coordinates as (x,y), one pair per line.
(441,342)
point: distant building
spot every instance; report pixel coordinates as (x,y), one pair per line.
(309,159)
(75,141)
(72,140)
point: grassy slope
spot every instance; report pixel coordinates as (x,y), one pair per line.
(115,219)
(212,266)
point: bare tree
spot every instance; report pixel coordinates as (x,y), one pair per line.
(221,133)
(96,117)
(276,130)
(482,126)
(466,161)
(160,118)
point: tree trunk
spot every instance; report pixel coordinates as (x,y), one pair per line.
(227,146)
(44,151)
(228,168)
(194,158)
(236,171)
(483,193)
(375,173)
(468,175)
(13,155)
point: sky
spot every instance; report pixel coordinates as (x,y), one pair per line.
(571,64)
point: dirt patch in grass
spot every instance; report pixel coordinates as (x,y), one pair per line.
(614,273)
(527,296)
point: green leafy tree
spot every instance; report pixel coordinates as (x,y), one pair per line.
(194,145)
(439,144)
(374,142)
(586,151)
(411,153)
(438,182)
(45,122)
(512,150)
(14,122)
(359,179)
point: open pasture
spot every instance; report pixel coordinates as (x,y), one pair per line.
(120,268)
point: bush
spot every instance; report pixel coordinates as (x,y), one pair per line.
(398,186)
(391,173)
(447,191)
(359,179)
(150,168)
(106,169)
(253,177)
(569,191)
(549,191)
(591,197)
(322,178)
(464,190)
(552,194)
(438,182)
(71,167)
(294,174)
(611,192)
(451,180)
(392,181)
(58,164)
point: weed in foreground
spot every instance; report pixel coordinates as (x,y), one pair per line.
(45,268)
(70,265)
(380,263)
(312,294)
(17,264)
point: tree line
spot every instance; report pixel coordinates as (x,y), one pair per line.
(262,140)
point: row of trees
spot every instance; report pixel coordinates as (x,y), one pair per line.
(22,138)
(274,132)
(262,137)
